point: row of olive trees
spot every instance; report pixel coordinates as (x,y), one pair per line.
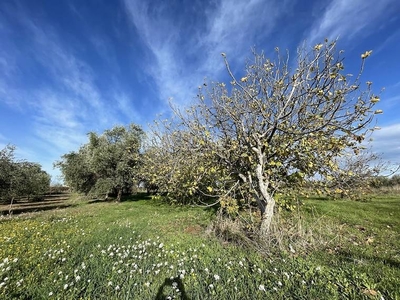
(20,178)
(107,164)
(269,132)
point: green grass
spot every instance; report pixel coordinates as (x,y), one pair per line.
(367,239)
(143,249)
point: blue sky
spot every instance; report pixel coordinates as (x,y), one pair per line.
(70,67)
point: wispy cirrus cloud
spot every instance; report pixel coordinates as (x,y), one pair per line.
(346,19)
(74,75)
(236,27)
(65,99)
(185,50)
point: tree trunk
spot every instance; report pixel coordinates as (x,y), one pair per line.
(119,195)
(266,218)
(10,210)
(266,205)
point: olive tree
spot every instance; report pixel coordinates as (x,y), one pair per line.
(20,178)
(75,169)
(33,181)
(107,163)
(7,169)
(278,124)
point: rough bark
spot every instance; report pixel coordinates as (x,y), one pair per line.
(266,218)
(267,202)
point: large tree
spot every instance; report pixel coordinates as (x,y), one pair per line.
(278,124)
(107,163)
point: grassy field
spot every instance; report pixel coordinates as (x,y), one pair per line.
(142,249)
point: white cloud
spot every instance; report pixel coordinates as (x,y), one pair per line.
(346,19)
(236,26)
(67,101)
(386,142)
(124,104)
(161,37)
(75,75)
(181,58)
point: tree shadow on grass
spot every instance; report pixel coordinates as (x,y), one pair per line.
(136,197)
(124,198)
(172,285)
(34,208)
(351,257)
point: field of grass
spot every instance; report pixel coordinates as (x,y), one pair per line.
(367,239)
(143,249)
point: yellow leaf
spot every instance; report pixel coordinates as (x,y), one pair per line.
(318,47)
(366,54)
(369,240)
(375,99)
(210,189)
(370,292)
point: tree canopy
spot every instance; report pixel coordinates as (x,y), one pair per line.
(20,178)
(274,127)
(106,164)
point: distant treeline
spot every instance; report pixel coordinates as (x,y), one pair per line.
(20,178)
(384,181)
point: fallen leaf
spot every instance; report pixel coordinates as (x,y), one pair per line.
(370,292)
(369,240)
